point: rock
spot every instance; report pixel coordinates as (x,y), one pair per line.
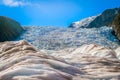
(105,19)
(116,25)
(9,29)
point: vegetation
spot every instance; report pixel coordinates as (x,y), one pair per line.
(9,29)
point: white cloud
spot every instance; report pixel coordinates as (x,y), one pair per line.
(15,3)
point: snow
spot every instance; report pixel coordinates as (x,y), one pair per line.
(116,11)
(84,22)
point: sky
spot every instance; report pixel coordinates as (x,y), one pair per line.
(59,13)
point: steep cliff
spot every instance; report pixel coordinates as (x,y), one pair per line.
(116,25)
(105,19)
(9,29)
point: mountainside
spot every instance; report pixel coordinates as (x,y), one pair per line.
(82,23)
(110,17)
(104,19)
(21,61)
(9,29)
(116,25)
(52,38)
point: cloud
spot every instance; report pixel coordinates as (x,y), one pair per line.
(15,3)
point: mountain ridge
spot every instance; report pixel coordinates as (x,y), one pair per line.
(104,19)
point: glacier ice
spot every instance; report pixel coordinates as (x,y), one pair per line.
(54,38)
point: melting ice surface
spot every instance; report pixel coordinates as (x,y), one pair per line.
(54,38)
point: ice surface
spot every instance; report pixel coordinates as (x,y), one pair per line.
(53,38)
(21,61)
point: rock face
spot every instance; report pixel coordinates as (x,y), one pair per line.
(9,29)
(82,23)
(105,19)
(21,61)
(116,25)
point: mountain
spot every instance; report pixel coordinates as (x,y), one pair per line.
(116,25)
(22,61)
(82,23)
(104,19)
(110,17)
(9,29)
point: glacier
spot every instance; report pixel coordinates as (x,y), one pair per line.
(20,60)
(54,38)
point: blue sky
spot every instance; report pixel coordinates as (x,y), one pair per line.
(53,12)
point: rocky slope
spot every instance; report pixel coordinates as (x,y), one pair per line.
(9,29)
(110,17)
(21,61)
(104,19)
(116,25)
